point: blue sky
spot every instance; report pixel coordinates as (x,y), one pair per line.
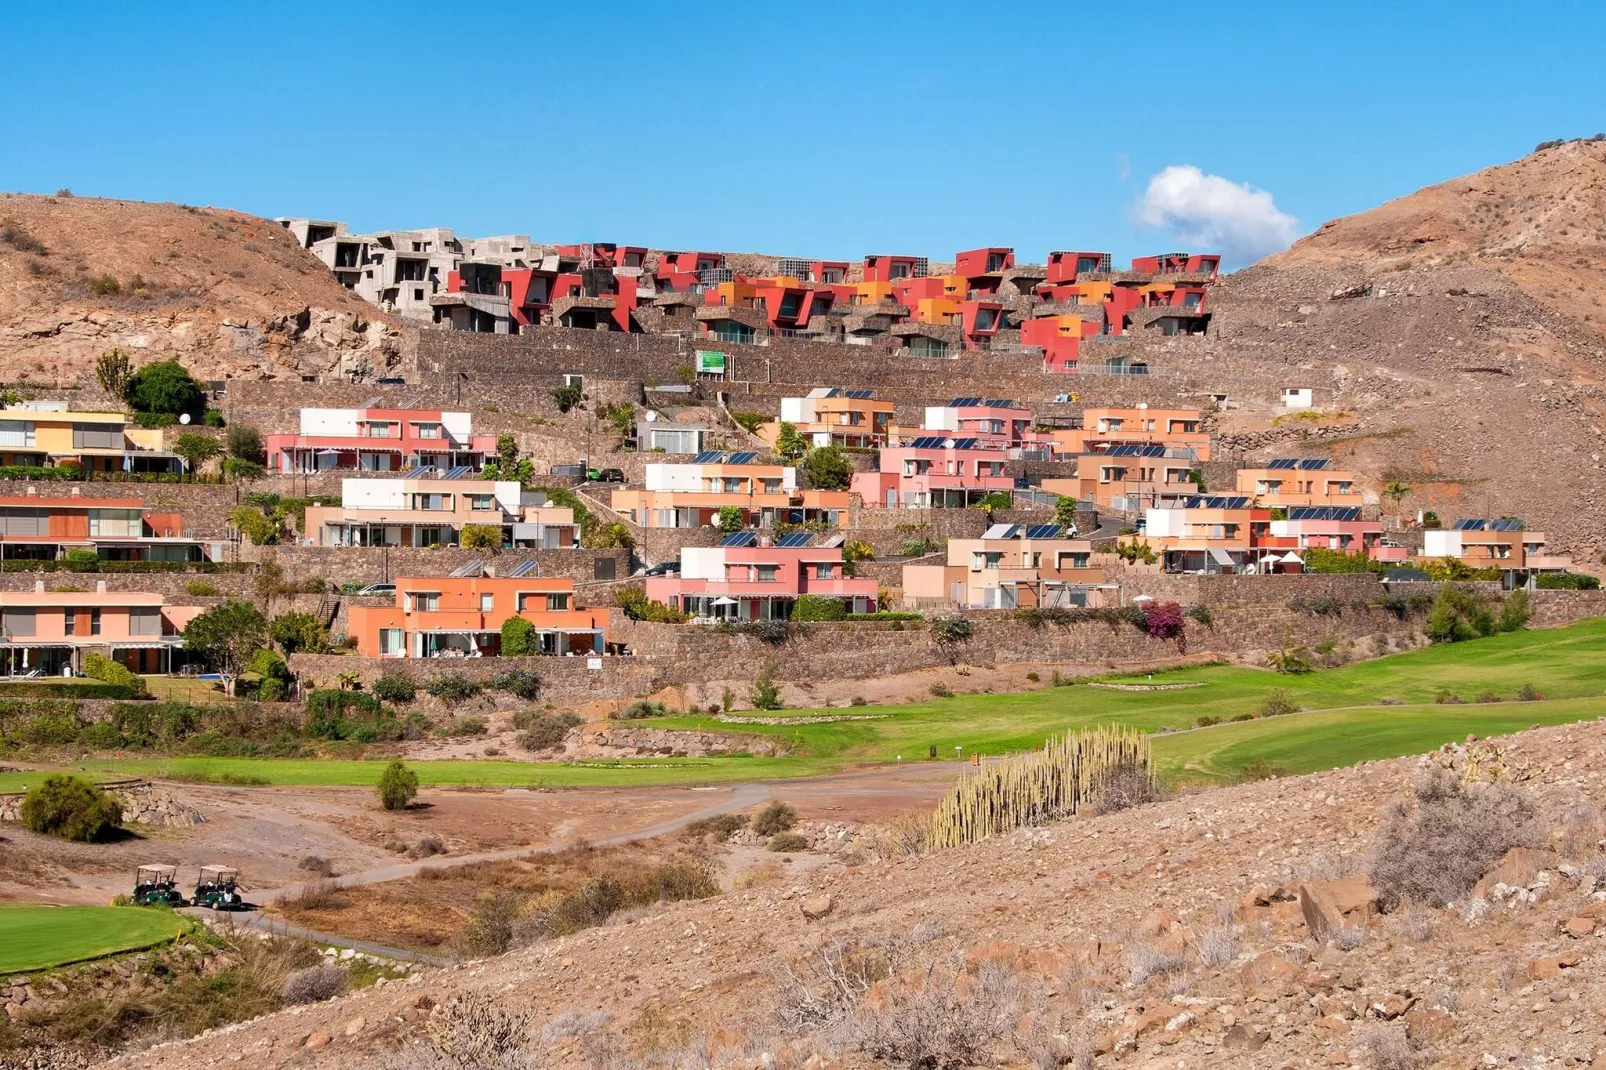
(821,130)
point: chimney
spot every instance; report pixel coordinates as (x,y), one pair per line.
(33,491)
(38,586)
(100,586)
(75,492)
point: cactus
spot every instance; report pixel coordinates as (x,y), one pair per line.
(1036,787)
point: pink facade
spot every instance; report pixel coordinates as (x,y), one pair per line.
(934,472)
(378,440)
(759,580)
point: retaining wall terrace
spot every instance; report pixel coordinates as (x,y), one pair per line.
(373,564)
(565,681)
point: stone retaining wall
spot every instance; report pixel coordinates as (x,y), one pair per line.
(564,681)
(143,803)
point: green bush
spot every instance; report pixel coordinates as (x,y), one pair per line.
(1457,616)
(201,589)
(519,638)
(942,691)
(462,726)
(98,667)
(520,683)
(1514,611)
(776,816)
(638,710)
(299,631)
(102,735)
(720,827)
(48,730)
(66,689)
(391,688)
(812,607)
(85,560)
(787,842)
(1567,581)
(766,693)
(271,690)
(397,786)
(335,714)
(545,731)
(70,808)
(452,688)
(152,724)
(635,604)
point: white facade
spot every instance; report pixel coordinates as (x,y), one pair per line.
(342,422)
(1297,397)
(702,563)
(398,493)
(1441,543)
(1166,523)
(941,418)
(703,478)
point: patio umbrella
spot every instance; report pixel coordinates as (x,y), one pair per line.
(724,600)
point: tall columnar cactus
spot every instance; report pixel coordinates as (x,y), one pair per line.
(1038,786)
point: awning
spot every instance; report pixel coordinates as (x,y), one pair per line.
(1220,556)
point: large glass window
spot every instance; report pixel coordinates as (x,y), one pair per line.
(97,437)
(114,522)
(16,433)
(145,620)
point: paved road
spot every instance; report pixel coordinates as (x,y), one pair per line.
(741,797)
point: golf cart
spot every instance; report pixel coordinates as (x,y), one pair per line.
(215,888)
(157,885)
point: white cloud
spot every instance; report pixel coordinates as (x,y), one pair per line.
(1215,214)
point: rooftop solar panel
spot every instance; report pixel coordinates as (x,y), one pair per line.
(964,403)
(1313,464)
(1044,531)
(927,442)
(861,394)
(708,457)
(794,539)
(458,472)
(468,568)
(741,458)
(415,472)
(1468,525)
(522,569)
(964,444)
(1000,403)
(740,538)
(1284,462)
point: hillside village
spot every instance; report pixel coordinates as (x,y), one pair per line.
(725,602)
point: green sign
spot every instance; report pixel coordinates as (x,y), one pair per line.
(710,361)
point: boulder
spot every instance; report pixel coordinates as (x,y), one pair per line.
(1329,906)
(1517,869)
(816,907)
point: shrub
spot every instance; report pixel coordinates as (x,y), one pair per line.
(1486,697)
(1145,961)
(1163,620)
(200,589)
(1206,721)
(787,842)
(1514,611)
(942,691)
(1457,616)
(1122,786)
(1201,614)
(949,631)
(568,396)
(98,667)
(639,710)
(720,828)
(765,693)
(1528,693)
(315,984)
(1433,847)
(1033,677)
(397,786)
(480,537)
(815,607)
(943,1022)
(1567,581)
(1446,697)
(1321,604)
(1277,703)
(599,898)
(547,730)
(521,683)
(165,387)
(316,864)
(519,638)
(490,925)
(391,688)
(296,630)
(70,808)
(1260,769)
(102,735)
(635,604)
(731,518)
(776,817)
(452,688)
(1292,658)
(1391,1048)
(463,726)
(773,632)
(858,700)
(49,730)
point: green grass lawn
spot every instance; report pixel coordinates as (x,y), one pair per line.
(1567,665)
(35,937)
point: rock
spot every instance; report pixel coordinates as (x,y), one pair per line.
(1240,1038)
(1426,1024)
(816,907)
(1578,928)
(1329,906)
(1268,970)
(1390,1007)
(318,1041)
(355,1026)
(1547,968)
(1517,869)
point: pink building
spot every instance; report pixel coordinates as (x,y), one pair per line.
(48,632)
(751,577)
(995,423)
(934,472)
(372,439)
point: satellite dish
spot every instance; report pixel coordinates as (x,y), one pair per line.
(184,418)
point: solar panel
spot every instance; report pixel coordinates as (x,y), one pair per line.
(1313,464)
(414,473)
(470,568)
(1507,524)
(861,394)
(833,540)
(999,403)
(1044,531)
(741,458)
(927,442)
(522,569)
(964,444)
(794,539)
(459,472)
(1285,462)
(964,403)
(996,531)
(1468,525)
(740,538)
(371,403)
(1218,502)
(708,457)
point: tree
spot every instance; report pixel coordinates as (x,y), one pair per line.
(295,630)
(255,525)
(226,636)
(507,453)
(480,537)
(1514,613)
(1292,657)
(1397,492)
(790,443)
(165,387)
(195,450)
(241,470)
(994,501)
(1065,510)
(731,518)
(855,551)
(245,442)
(827,468)
(112,370)
(70,808)
(766,693)
(519,638)
(567,397)
(397,786)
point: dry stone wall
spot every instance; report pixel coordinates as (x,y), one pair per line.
(143,803)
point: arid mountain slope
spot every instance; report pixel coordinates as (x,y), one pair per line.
(1461,330)
(229,294)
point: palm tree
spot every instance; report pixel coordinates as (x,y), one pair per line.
(1397,491)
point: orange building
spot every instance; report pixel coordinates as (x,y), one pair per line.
(692,495)
(1294,481)
(462,616)
(46,632)
(831,416)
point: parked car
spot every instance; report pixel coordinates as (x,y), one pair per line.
(379,589)
(610,475)
(664,568)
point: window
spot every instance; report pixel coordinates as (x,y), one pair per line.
(390,642)
(418,295)
(557,602)
(826,570)
(114,522)
(19,622)
(432,502)
(97,437)
(69,624)
(94,622)
(986,319)
(487,603)
(427,430)
(481,501)
(978,561)
(424,601)
(144,620)
(16,433)
(410,270)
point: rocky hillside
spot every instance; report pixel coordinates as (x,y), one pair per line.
(1457,335)
(1234,927)
(228,294)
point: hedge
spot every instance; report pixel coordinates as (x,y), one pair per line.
(64,689)
(52,565)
